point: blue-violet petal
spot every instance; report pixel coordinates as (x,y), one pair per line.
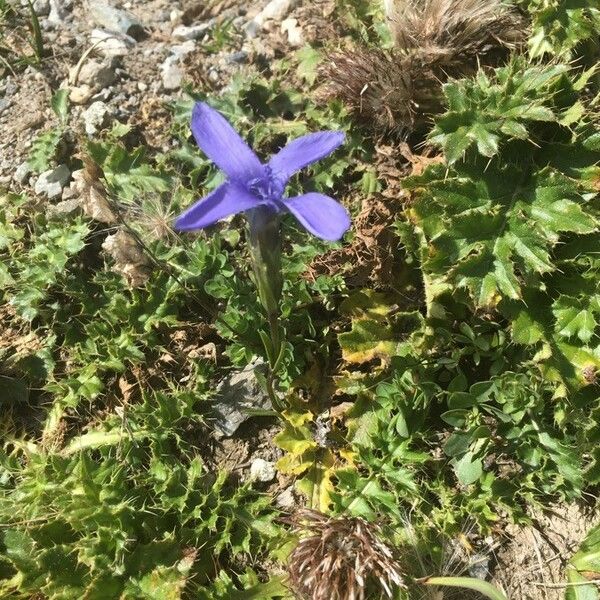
(321,215)
(221,143)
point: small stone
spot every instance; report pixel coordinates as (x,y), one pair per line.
(294,32)
(94,117)
(57,14)
(40,7)
(286,500)
(63,208)
(262,470)
(172,75)
(275,10)
(80,94)
(142,86)
(182,49)
(479,566)
(252,28)
(111,44)
(22,172)
(195,32)
(239,58)
(213,76)
(163,16)
(94,73)
(4,104)
(237,394)
(175,16)
(51,183)
(107,16)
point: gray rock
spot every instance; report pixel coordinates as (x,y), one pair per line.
(4,104)
(239,58)
(262,470)
(172,75)
(22,172)
(41,7)
(182,49)
(175,16)
(252,28)
(194,32)
(96,74)
(107,16)
(94,117)
(111,44)
(64,208)
(163,16)
(236,396)
(479,566)
(294,32)
(58,14)
(51,183)
(275,10)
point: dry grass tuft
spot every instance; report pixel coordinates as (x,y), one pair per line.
(453,32)
(341,559)
(397,91)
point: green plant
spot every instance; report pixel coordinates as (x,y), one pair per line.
(46,145)
(124,508)
(583,567)
(562,27)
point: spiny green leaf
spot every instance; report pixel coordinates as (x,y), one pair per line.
(574,317)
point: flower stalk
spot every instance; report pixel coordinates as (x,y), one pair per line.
(264,243)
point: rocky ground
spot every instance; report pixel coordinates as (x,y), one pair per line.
(125,62)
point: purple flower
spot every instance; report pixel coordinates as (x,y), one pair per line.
(251,184)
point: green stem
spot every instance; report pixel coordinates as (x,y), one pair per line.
(265,252)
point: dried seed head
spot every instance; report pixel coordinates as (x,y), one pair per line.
(341,559)
(397,91)
(455,32)
(391,92)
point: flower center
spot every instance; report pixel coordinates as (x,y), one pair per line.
(267,187)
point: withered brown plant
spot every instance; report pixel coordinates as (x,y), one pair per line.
(397,90)
(341,559)
(455,31)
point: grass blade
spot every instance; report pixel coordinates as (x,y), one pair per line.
(477,585)
(38,43)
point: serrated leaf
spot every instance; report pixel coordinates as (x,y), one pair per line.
(308,61)
(163,583)
(574,319)
(367,341)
